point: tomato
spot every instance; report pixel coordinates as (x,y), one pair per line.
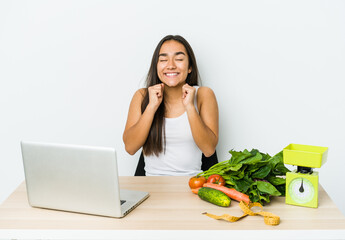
(196,182)
(216,179)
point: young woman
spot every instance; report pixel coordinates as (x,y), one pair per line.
(173,119)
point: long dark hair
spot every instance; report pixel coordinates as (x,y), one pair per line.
(156,138)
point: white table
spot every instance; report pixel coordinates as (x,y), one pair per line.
(171,212)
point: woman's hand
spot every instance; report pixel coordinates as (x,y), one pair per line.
(188,93)
(155,95)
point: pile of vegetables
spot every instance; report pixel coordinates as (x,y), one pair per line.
(255,174)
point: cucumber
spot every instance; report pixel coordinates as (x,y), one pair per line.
(214,196)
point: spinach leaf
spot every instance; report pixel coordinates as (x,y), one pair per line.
(252,160)
(254,195)
(273,161)
(281,189)
(276,180)
(242,185)
(255,167)
(265,157)
(267,187)
(280,169)
(235,167)
(237,157)
(262,172)
(265,197)
(238,174)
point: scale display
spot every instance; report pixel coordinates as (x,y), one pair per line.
(301,190)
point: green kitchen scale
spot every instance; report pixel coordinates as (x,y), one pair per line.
(302,185)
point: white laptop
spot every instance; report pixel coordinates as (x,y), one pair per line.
(76,178)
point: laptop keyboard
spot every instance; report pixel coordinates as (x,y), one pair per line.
(122,201)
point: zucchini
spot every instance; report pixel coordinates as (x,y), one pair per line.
(214,196)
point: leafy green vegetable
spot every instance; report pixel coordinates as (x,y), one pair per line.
(266,187)
(252,160)
(254,173)
(242,184)
(262,172)
(276,180)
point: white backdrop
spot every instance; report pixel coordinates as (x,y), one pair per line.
(68,70)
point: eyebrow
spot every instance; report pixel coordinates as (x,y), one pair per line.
(165,54)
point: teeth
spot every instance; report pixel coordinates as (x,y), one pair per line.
(171,74)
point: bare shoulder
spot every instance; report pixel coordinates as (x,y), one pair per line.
(137,99)
(206,99)
(205,93)
(139,94)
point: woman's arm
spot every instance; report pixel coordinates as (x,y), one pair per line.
(204,125)
(138,124)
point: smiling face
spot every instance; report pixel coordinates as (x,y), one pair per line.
(173,65)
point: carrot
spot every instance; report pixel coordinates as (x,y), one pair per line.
(230,192)
(195,190)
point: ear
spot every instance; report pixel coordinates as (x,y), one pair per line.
(190,70)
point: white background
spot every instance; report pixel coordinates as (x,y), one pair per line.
(68,70)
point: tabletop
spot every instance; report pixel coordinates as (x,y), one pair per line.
(174,208)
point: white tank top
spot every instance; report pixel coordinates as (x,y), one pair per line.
(182,156)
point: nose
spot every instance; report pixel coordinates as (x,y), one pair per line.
(171,64)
